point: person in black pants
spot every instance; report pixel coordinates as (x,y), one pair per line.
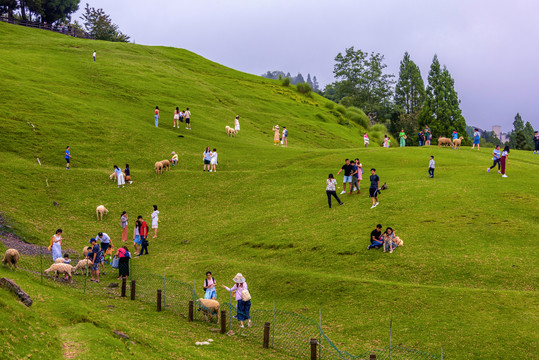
(330,190)
(496,156)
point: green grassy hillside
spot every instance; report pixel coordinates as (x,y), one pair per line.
(466,278)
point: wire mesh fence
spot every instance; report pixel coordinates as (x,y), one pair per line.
(288,331)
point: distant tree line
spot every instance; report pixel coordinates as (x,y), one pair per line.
(95,21)
(294,80)
(521,137)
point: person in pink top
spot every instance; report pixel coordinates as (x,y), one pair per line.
(156,116)
(243,298)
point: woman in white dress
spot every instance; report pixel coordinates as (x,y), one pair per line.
(213,160)
(57,245)
(237,124)
(155,220)
(119,176)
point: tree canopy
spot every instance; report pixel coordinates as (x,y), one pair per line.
(100,26)
(410,89)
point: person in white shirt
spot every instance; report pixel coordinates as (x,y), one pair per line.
(213,160)
(237,124)
(431,166)
(94,54)
(330,190)
(155,220)
(104,238)
(187,117)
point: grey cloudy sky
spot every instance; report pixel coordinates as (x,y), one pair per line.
(490,47)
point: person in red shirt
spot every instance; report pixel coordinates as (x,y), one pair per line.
(143,235)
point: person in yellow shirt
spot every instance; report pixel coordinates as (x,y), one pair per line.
(174,160)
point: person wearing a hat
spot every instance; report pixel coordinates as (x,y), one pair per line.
(242,292)
(276,139)
(174,159)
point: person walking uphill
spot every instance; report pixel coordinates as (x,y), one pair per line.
(330,190)
(495,158)
(156,116)
(243,298)
(67,156)
(375,186)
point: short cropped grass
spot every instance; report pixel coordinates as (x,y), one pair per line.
(466,278)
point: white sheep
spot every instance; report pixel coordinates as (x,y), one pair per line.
(100,210)
(60,260)
(210,308)
(82,265)
(60,269)
(12,258)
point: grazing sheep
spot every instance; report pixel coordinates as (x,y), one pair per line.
(12,258)
(457,142)
(444,141)
(230,131)
(82,265)
(166,164)
(60,269)
(100,210)
(114,177)
(210,308)
(158,167)
(86,250)
(60,260)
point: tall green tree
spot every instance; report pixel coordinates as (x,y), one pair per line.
(518,124)
(529,133)
(316,86)
(441,110)
(410,89)
(8,7)
(51,11)
(361,79)
(100,26)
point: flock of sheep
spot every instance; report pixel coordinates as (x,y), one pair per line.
(160,165)
(455,143)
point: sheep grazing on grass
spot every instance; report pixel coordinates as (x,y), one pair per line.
(210,308)
(166,164)
(100,210)
(11,257)
(230,131)
(60,260)
(158,167)
(457,142)
(58,269)
(86,250)
(82,265)
(444,141)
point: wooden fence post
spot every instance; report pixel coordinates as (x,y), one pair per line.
(124,284)
(191,310)
(133,289)
(223,321)
(266,335)
(314,342)
(158,300)
(372,357)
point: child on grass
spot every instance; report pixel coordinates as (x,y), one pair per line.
(431,166)
(209,286)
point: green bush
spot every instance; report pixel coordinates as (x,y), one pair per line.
(330,105)
(354,109)
(304,88)
(321,117)
(379,128)
(341,109)
(286,82)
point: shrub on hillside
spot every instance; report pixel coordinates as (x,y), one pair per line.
(341,109)
(330,105)
(354,109)
(286,82)
(304,88)
(379,128)
(321,117)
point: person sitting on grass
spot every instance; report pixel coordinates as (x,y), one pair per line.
(376,241)
(174,159)
(389,240)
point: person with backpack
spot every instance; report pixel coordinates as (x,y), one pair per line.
(243,297)
(209,287)
(123,255)
(96,257)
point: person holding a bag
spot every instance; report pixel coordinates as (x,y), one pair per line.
(121,261)
(243,297)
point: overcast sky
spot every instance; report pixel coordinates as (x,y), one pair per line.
(490,47)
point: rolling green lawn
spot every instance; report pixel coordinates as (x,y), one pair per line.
(466,278)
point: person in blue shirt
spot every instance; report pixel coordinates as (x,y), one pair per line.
(67,157)
(495,158)
(476,138)
(375,187)
(455,135)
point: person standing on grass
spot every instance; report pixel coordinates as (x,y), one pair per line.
(207,158)
(355,178)
(94,54)
(347,167)
(375,186)
(143,236)
(386,142)
(56,247)
(536,142)
(431,166)
(105,244)
(95,257)
(213,160)
(127,172)
(276,136)
(376,241)
(237,124)
(137,239)
(285,137)
(119,176)
(209,287)
(243,305)
(366,139)
(420,138)
(505,154)
(495,158)
(67,156)
(359,174)
(187,117)
(455,135)
(123,262)
(402,138)
(182,115)
(155,220)
(156,116)
(476,138)
(330,190)
(428,135)
(123,224)
(176,120)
